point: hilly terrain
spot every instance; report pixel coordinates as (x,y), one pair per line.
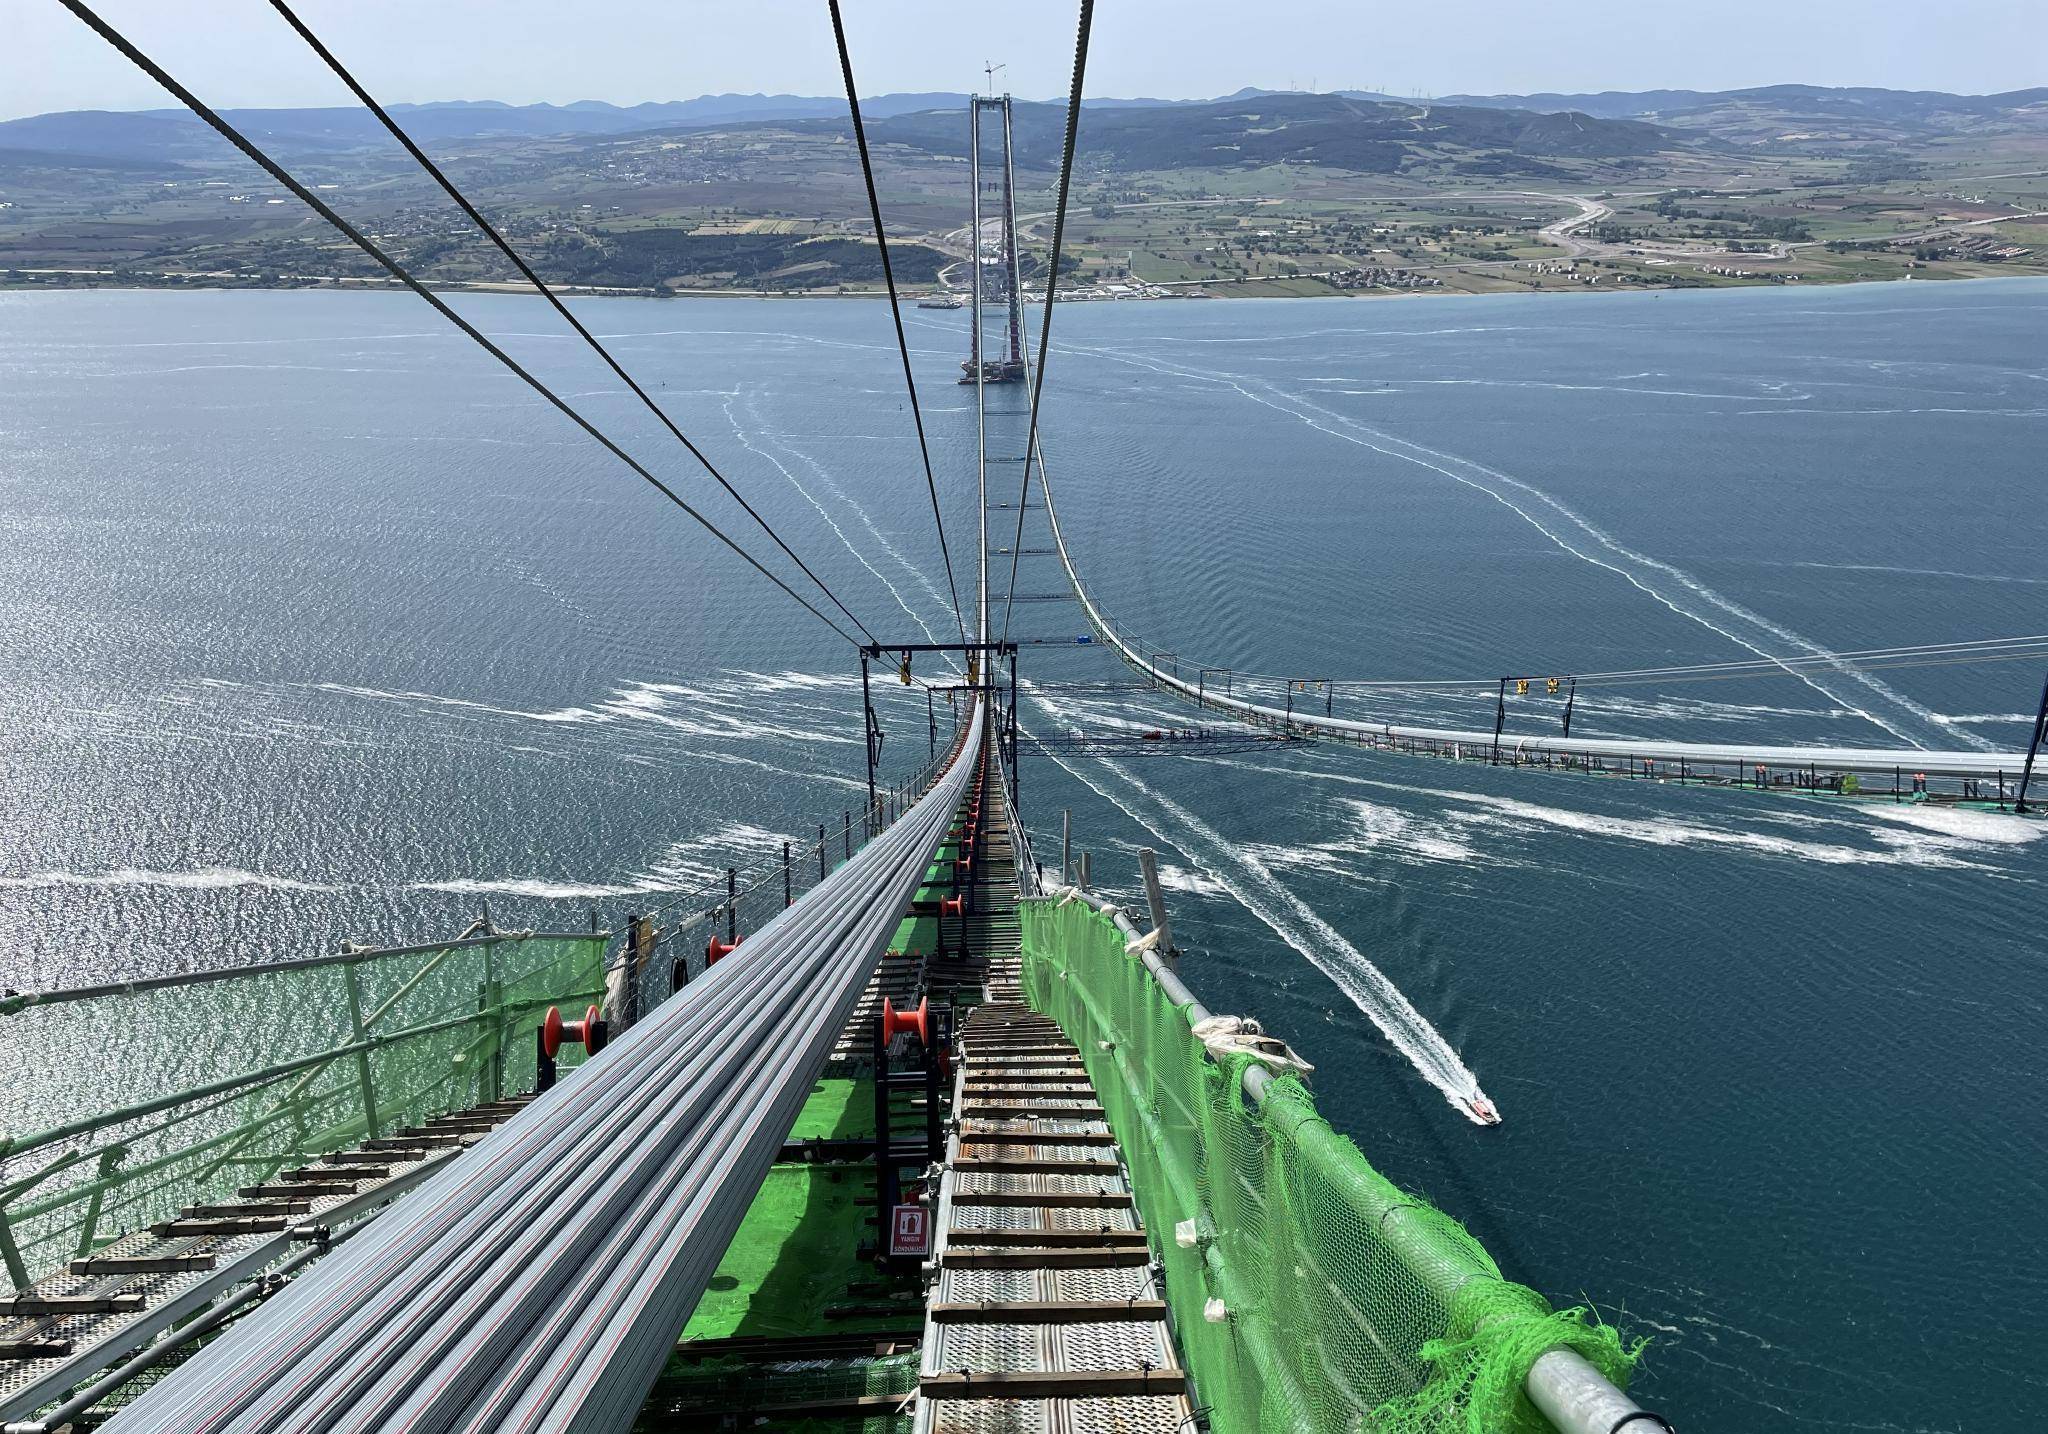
(1259,192)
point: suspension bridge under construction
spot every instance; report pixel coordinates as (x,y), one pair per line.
(961,1123)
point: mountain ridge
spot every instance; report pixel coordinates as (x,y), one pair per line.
(1752,115)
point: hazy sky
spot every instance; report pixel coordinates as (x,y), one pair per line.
(238,52)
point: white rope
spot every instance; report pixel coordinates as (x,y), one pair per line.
(1241,1036)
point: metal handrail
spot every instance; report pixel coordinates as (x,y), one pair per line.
(14,1001)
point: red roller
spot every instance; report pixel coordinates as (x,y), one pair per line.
(716,951)
(917,1022)
(951,906)
(555,1032)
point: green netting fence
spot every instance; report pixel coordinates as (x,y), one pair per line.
(1310,1294)
(123,1104)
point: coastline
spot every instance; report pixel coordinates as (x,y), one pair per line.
(590,291)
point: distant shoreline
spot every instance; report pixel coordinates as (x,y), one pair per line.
(581,291)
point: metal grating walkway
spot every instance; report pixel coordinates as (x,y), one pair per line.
(1045,1316)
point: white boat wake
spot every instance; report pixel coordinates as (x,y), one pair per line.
(1251,883)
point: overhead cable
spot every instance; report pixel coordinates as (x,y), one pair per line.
(319,206)
(867,169)
(504,247)
(1052,280)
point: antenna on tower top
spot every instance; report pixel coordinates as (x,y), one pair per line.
(989,68)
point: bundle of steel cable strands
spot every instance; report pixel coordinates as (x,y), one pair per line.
(538,1283)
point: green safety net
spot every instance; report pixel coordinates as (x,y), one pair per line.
(127,1105)
(1347,1305)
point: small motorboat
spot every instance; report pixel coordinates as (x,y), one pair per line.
(1482,1109)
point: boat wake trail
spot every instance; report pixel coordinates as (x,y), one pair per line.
(1687,596)
(740,432)
(1251,883)
(819,472)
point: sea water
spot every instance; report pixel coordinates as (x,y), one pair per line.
(318,626)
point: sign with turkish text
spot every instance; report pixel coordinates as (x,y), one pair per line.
(910,1232)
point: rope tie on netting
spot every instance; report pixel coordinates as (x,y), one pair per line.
(1225,1037)
(1497,1330)
(1139,945)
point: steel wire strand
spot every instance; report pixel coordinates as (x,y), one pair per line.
(362,241)
(867,170)
(513,1179)
(875,925)
(1862,759)
(580,1113)
(450,1352)
(1988,649)
(600,1339)
(930,822)
(616,1121)
(600,1335)
(611,1152)
(504,1344)
(826,938)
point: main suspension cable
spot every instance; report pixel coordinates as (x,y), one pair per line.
(276,171)
(867,169)
(1052,280)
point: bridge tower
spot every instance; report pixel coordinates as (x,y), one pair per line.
(994,265)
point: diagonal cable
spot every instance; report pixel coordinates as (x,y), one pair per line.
(504,247)
(1052,280)
(867,169)
(276,171)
